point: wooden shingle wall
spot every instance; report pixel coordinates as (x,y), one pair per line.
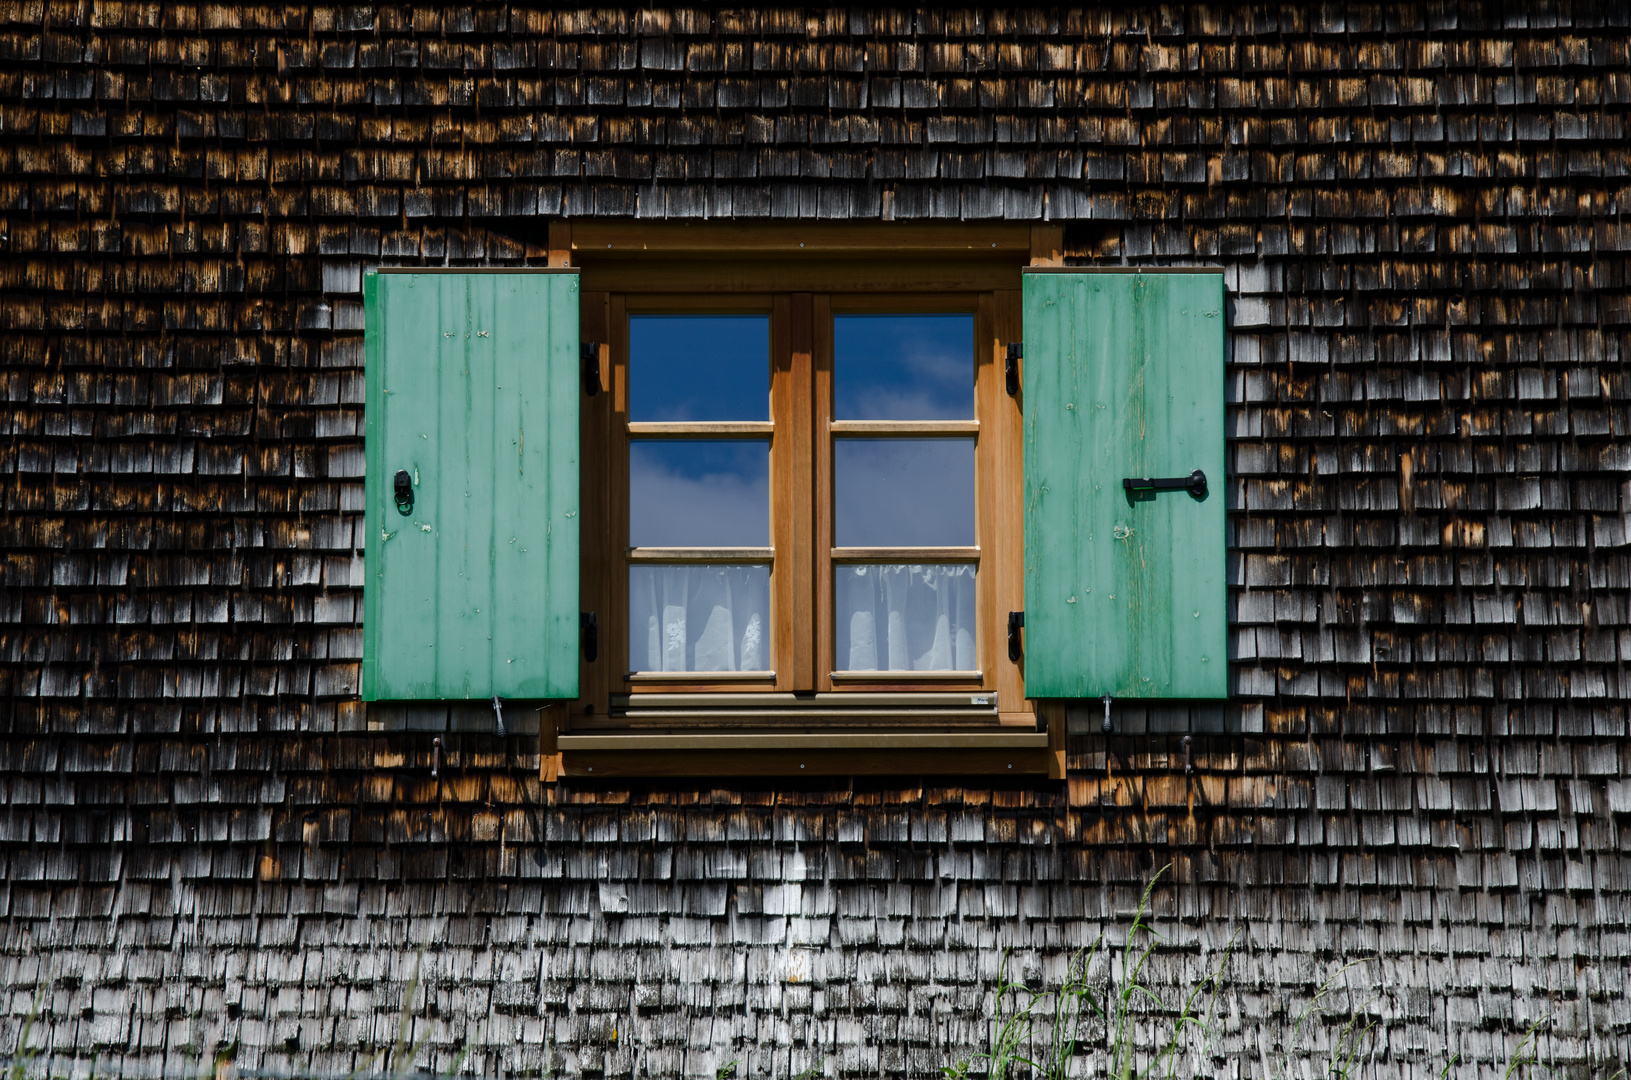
(1421,211)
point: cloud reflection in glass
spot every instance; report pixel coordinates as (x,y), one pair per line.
(904,492)
(699,493)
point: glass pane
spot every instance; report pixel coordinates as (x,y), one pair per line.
(903,492)
(699,493)
(699,618)
(903,367)
(905,618)
(699,367)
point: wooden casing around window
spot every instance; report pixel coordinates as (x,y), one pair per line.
(801,276)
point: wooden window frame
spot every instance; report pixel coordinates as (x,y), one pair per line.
(802,276)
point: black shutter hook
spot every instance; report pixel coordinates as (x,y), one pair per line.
(403,484)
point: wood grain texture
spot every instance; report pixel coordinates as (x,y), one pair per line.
(878,273)
(892,761)
(882,739)
(906,554)
(1125,594)
(804,239)
(1003,444)
(602,513)
(615,632)
(711,429)
(904,427)
(821,488)
(475,587)
(1420,213)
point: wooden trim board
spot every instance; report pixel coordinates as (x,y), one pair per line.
(591,238)
(615,764)
(828,740)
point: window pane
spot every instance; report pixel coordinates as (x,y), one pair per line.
(699,493)
(699,367)
(903,367)
(903,492)
(905,618)
(699,618)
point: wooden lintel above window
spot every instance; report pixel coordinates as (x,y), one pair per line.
(588,238)
(841,273)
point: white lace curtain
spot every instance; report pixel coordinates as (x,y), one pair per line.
(894,617)
(906,618)
(699,618)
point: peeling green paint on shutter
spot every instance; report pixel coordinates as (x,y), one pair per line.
(1125,594)
(472,388)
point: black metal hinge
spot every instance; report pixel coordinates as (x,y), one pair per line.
(1016,353)
(1016,623)
(591,635)
(589,351)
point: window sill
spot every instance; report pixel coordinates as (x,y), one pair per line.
(881,753)
(851,712)
(829,740)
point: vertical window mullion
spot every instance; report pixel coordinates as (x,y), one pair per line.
(613,631)
(792,496)
(1002,533)
(821,490)
(604,470)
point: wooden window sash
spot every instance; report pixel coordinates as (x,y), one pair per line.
(614,658)
(801,431)
(864,681)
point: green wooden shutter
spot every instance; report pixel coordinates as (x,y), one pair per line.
(1125,593)
(473,387)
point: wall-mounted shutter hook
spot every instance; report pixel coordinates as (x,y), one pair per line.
(403,485)
(1108,727)
(498,715)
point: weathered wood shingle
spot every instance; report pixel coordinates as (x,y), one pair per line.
(1420,210)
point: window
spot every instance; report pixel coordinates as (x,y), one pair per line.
(803,498)
(810,509)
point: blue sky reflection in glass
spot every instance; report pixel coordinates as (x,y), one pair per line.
(903,367)
(699,367)
(699,493)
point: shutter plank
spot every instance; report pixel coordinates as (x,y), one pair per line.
(473,388)
(1123,377)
